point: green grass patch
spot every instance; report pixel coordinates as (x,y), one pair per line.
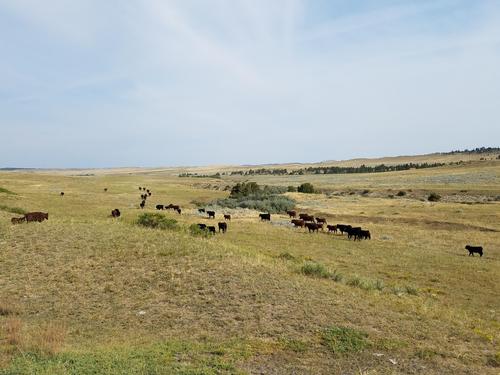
(170,357)
(14,210)
(6,191)
(344,340)
(315,269)
(157,221)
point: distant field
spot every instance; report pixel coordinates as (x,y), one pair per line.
(85,293)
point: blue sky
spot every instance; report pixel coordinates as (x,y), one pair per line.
(191,82)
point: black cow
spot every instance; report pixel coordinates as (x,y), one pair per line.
(201,210)
(227,217)
(354,233)
(222,227)
(343,228)
(474,249)
(202,226)
(116,212)
(365,234)
(62,193)
(159,206)
(105,189)
(312,227)
(211,214)
(211,229)
(179,211)
(143,203)
(265,217)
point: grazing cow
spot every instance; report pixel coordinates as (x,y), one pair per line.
(343,228)
(321,220)
(179,211)
(211,214)
(202,226)
(105,189)
(312,227)
(143,203)
(292,213)
(62,193)
(211,229)
(159,206)
(174,207)
(17,220)
(227,217)
(36,216)
(265,217)
(365,235)
(299,223)
(169,207)
(149,193)
(140,188)
(474,249)
(222,227)
(332,228)
(116,212)
(301,216)
(201,210)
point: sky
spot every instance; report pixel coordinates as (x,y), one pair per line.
(90,83)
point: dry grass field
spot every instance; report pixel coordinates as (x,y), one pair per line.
(84,293)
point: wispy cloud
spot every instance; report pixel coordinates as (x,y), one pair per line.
(247,81)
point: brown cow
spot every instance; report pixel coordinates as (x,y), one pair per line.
(321,220)
(306,217)
(332,228)
(116,212)
(312,227)
(227,217)
(211,229)
(298,223)
(211,214)
(36,216)
(17,220)
(292,213)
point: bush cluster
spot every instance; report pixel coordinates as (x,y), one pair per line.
(156,220)
(306,188)
(259,202)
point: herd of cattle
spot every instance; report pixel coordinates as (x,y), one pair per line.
(311,223)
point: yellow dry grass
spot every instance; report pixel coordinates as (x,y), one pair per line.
(90,288)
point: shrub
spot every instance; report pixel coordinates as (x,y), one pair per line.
(433,197)
(411,290)
(365,192)
(344,340)
(195,230)
(243,189)
(155,220)
(401,193)
(3,190)
(314,269)
(306,188)
(286,256)
(291,189)
(265,203)
(336,276)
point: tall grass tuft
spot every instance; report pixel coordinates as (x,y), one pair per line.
(315,270)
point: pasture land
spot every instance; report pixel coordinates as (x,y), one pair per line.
(85,293)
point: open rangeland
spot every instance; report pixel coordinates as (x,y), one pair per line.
(84,292)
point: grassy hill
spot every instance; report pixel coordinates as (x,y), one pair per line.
(85,293)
